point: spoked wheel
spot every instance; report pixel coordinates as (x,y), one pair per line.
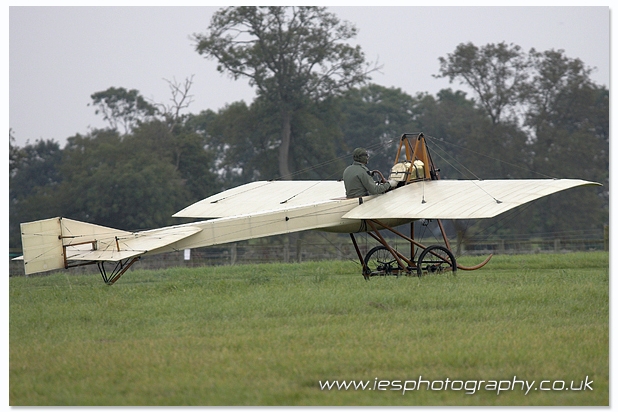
(435,259)
(380,262)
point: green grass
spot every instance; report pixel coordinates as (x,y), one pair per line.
(267,334)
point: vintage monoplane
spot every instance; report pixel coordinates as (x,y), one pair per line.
(267,208)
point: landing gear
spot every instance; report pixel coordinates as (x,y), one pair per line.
(383,260)
(380,262)
(435,259)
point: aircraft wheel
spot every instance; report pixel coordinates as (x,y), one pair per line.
(380,262)
(435,259)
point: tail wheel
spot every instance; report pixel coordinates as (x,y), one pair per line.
(435,259)
(380,262)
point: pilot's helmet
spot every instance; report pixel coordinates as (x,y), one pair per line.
(360,155)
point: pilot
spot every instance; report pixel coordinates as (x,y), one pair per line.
(357,178)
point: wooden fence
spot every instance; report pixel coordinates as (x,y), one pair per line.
(295,248)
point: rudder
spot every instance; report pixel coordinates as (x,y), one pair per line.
(42,245)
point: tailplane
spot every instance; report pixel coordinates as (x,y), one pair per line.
(50,243)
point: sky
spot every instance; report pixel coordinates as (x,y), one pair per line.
(60,56)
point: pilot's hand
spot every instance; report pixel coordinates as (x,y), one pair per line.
(393,183)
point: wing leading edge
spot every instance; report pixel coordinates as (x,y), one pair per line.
(459,199)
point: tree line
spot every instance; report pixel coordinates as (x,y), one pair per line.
(530,115)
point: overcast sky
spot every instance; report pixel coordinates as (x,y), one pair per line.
(59,56)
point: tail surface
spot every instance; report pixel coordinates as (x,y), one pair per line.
(50,243)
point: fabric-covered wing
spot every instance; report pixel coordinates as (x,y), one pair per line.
(264,196)
(458,199)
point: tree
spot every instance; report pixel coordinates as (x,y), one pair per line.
(568,116)
(163,131)
(240,135)
(244,140)
(15,154)
(561,96)
(183,148)
(496,73)
(375,117)
(564,133)
(456,128)
(122,107)
(181,99)
(110,183)
(34,179)
(35,165)
(319,141)
(291,54)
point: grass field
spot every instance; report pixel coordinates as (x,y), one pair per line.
(269,334)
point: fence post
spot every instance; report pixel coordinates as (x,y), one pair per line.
(556,245)
(606,237)
(299,253)
(233,254)
(186,257)
(286,248)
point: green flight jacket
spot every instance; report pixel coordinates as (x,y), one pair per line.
(358,182)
